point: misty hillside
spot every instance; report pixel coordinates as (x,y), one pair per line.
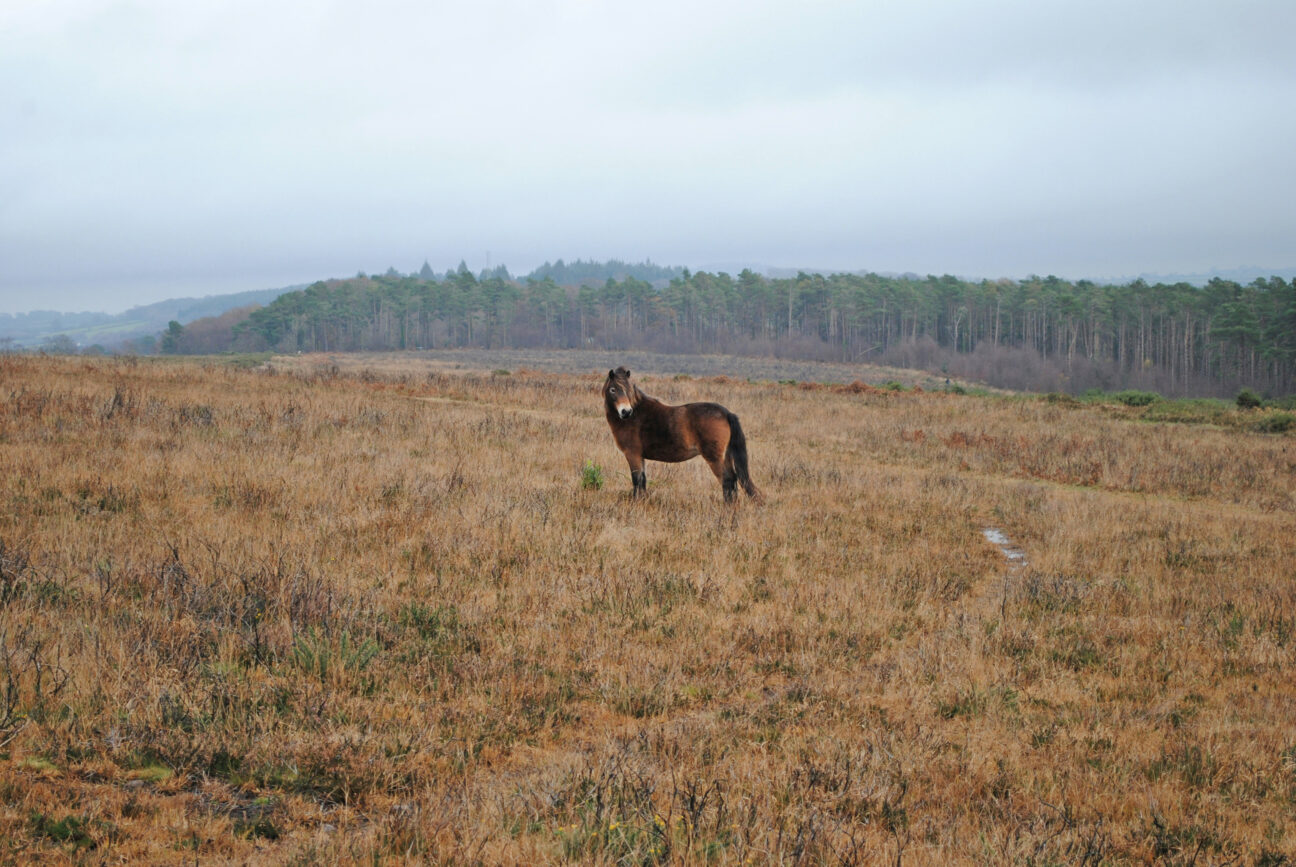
(110,330)
(1044,334)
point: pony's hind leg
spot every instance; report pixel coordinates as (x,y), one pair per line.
(724,471)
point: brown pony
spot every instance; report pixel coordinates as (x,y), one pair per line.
(646,428)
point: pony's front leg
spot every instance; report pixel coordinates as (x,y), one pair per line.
(637,477)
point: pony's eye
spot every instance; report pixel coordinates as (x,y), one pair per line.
(611,391)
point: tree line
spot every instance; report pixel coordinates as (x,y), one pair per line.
(1054,334)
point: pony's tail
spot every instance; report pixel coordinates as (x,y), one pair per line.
(736,457)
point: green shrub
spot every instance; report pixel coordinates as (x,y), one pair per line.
(591,476)
(73,831)
(1275,422)
(1248,399)
(1195,410)
(1287,402)
(1136,398)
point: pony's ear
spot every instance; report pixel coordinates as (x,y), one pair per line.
(611,374)
(624,371)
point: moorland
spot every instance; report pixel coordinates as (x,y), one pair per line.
(312,608)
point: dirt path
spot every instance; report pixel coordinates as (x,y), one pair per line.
(987,596)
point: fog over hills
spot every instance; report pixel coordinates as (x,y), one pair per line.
(110,330)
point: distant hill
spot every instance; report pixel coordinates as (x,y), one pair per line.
(594,273)
(110,330)
(1243,276)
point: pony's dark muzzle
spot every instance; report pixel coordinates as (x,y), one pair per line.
(625,411)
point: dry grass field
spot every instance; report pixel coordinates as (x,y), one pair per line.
(327,610)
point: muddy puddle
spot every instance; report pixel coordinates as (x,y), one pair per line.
(1011,552)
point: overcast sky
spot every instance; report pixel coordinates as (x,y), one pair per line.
(157,148)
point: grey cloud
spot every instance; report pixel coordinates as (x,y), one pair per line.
(156,145)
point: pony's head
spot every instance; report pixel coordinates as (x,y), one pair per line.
(619,394)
